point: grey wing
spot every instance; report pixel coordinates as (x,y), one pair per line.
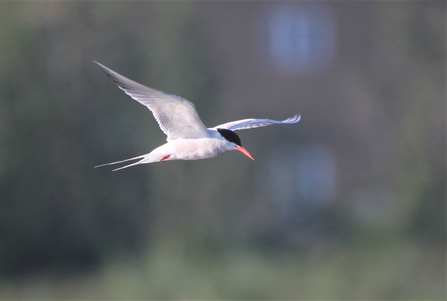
(254,123)
(176,116)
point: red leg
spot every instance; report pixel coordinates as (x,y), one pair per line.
(164,157)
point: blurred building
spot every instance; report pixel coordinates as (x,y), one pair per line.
(281,58)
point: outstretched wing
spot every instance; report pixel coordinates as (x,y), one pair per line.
(176,116)
(255,123)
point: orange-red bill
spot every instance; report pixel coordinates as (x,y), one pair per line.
(244,151)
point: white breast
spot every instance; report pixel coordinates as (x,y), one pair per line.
(195,149)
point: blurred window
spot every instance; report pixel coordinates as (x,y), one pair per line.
(299,37)
(302,179)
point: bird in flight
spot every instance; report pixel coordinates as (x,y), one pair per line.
(188,138)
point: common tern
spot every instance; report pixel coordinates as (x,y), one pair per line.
(187,136)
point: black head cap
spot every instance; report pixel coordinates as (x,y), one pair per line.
(230,136)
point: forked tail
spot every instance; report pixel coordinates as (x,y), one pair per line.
(153,156)
(130,159)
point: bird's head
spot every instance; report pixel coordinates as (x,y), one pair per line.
(233,138)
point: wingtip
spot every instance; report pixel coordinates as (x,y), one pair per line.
(100,65)
(293,119)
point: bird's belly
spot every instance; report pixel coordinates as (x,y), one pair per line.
(196,149)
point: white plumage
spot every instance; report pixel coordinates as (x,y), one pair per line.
(187,136)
